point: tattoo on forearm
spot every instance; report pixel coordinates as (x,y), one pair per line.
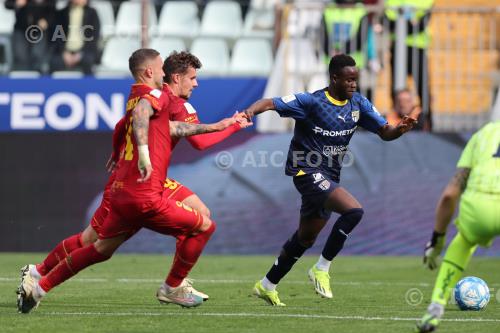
(140,121)
(460,178)
(179,129)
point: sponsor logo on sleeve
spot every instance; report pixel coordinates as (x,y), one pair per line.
(189,108)
(287,99)
(155,93)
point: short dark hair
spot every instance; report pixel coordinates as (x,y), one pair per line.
(178,63)
(338,62)
(139,57)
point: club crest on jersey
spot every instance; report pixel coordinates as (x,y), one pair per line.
(189,108)
(355,116)
(328,150)
(318,177)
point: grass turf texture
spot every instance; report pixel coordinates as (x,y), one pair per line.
(370,294)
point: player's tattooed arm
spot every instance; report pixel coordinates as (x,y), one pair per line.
(140,121)
(180,129)
(449,199)
(260,106)
(460,178)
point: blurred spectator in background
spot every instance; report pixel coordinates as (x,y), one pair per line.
(416,14)
(29,39)
(75,38)
(404,104)
(348,29)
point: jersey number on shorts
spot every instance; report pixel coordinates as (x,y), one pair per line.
(171,184)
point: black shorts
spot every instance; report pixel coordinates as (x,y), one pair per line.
(315,189)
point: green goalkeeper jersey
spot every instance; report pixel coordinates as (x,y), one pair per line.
(482,156)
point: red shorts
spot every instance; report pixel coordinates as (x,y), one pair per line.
(102,211)
(174,190)
(165,216)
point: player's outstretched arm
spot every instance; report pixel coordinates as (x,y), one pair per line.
(260,106)
(140,126)
(180,129)
(444,214)
(389,132)
(207,140)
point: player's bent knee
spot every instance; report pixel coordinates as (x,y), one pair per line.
(88,236)
(207,226)
(350,219)
(203,210)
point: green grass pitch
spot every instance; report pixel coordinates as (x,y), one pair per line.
(371,294)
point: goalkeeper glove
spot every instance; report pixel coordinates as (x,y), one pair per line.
(433,249)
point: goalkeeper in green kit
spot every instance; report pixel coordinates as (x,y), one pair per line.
(476,188)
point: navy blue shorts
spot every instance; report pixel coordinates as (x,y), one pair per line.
(315,189)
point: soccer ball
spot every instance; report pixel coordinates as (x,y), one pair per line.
(472,293)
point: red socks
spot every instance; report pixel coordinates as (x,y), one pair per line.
(187,253)
(60,252)
(71,265)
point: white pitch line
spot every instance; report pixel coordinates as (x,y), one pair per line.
(236,281)
(258,315)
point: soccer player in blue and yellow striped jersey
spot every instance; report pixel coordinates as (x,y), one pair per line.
(325,123)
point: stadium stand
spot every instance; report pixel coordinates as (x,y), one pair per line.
(251,57)
(115,56)
(129,19)
(180,19)
(222,19)
(214,55)
(463,59)
(165,45)
(106,17)
(7,20)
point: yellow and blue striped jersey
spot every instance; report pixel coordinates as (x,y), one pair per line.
(324,126)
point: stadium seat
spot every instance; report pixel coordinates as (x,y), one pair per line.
(251,57)
(106,17)
(179,18)
(129,19)
(213,54)
(5,55)
(60,4)
(265,4)
(222,19)
(24,74)
(7,20)
(165,45)
(259,23)
(67,75)
(317,81)
(116,54)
